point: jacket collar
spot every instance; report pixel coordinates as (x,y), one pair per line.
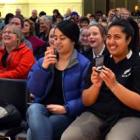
(73,60)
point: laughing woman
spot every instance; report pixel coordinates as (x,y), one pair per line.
(113,94)
(16,59)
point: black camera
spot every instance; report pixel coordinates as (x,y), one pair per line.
(56,53)
(99,62)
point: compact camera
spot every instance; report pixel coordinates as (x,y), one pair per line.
(99,62)
(56,53)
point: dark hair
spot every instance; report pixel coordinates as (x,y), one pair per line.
(84,19)
(56,11)
(32,26)
(21,20)
(42,13)
(69,29)
(8,17)
(130,28)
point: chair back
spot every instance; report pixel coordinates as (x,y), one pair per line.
(13,91)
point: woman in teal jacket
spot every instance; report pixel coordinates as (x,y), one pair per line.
(57,84)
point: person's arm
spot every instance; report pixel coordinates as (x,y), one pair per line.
(126,96)
(90,95)
(22,69)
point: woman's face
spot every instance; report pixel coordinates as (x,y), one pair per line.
(51,37)
(116,42)
(9,38)
(63,44)
(95,38)
(84,37)
(26,28)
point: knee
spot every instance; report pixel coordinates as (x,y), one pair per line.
(34,109)
(73,135)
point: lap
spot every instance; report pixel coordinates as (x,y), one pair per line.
(86,126)
(127,128)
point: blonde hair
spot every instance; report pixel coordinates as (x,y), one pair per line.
(16,31)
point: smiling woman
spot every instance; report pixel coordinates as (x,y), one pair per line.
(16,58)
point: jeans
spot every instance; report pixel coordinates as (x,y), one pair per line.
(43,125)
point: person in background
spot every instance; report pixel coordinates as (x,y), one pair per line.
(1,22)
(28,31)
(7,18)
(57,83)
(83,22)
(18,13)
(83,41)
(59,19)
(75,17)
(56,13)
(18,21)
(67,14)
(44,27)
(51,37)
(113,93)
(96,40)
(124,13)
(16,59)
(34,16)
(42,13)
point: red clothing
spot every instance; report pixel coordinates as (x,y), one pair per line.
(18,62)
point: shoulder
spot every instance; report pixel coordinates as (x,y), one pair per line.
(82,58)
(24,48)
(38,63)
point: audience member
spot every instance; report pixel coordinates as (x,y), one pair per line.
(44,27)
(113,92)
(57,85)
(96,40)
(28,31)
(18,21)
(7,18)
(83,22)
(15,57)
(18,13)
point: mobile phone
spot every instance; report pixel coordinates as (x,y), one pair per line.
(99,62)
(56,53)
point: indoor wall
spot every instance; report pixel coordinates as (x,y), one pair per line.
(27,6)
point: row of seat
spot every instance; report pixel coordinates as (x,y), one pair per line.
(14,92)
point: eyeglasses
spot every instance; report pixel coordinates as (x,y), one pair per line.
(8,32)
(14,23)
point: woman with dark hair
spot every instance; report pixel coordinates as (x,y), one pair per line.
(7,18)
(57,81)
(113,93)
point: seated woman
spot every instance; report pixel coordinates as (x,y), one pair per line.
(37,43)
(57,85)
(16,59)
(113,94)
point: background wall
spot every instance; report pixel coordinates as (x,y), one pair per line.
(41,5)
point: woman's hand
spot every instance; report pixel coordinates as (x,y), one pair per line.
(56,109)
(95,77)
(109,78)
(49,58)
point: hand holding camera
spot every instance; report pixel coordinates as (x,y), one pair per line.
(99,62)
(50,58)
